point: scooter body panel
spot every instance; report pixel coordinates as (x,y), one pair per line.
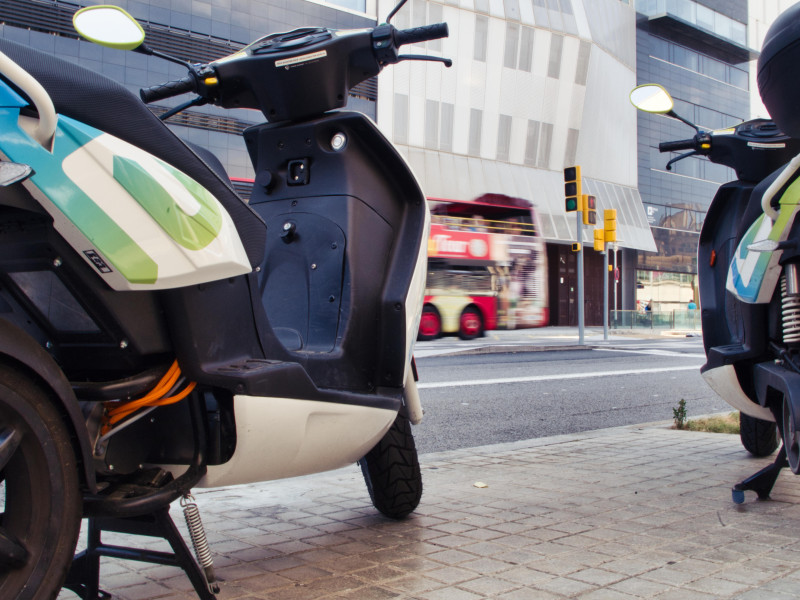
(753,275)
(342,282)
(286,437)
(731,334)
(139,222)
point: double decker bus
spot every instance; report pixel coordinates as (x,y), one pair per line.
(487,267)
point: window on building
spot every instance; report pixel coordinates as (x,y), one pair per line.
(739,78)
(481,33)
(475,131)
(526,49)
(698,63)
(435,16)
(357,5)
(572,147)
(554,64)
(713,68)
(504,137)
(685,58)
(532,143)
(512,42)
(545,143)
(418,13)
(582,68)
(705,17)
(446,127)
(400,124)
(431,124)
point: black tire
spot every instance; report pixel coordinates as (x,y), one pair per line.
(391,471)
(40,492)
(759,437)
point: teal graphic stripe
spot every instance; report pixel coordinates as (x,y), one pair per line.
(10,98)
(124,254)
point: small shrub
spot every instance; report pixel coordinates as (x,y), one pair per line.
(679,415)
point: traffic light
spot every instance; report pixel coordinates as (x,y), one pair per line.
(572,188)
(589,208)
(576,247)
(610,224)
(599,240)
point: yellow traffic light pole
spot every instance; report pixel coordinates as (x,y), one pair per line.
(605,236)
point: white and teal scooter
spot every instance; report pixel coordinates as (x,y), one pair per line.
(157,333)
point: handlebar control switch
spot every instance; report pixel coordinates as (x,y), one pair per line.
(298,172)
(383,45)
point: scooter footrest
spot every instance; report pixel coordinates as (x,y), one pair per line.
(248,366)
(260,377)
(729,354)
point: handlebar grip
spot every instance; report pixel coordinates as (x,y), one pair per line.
(167,90)
(677,145)
(421,34)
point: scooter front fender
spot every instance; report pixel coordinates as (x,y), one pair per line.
(21,350)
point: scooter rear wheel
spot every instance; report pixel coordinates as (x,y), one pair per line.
(39,492)
(391,471)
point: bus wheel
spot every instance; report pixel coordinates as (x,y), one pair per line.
(430,325)
(39,492)
(470,324)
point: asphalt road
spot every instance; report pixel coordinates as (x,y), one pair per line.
(477,399)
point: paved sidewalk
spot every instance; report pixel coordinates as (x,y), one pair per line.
(630,512)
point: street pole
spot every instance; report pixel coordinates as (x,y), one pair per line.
(605,295)
(579,213)
(616,283)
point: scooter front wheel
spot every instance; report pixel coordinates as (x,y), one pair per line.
(39,492)
(391,471)
(759,437)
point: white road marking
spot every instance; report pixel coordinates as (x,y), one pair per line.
(528,379)
(653,352)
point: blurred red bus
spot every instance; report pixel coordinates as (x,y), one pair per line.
(487,267)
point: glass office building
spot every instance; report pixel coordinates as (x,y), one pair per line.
(699,51)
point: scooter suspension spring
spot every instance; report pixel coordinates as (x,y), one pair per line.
(790,305)
(196,531)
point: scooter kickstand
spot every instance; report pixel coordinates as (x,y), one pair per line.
(761,482)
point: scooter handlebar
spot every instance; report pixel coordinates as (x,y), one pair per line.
(677,146)
(421,34)
(167,90)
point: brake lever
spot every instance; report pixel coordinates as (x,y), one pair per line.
(197,101)
(447,62)
(681,157)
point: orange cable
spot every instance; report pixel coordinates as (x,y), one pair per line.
(117,410)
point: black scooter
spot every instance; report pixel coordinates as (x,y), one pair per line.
(747,264)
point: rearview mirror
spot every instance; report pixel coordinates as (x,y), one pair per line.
(651,98)
(109,26)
